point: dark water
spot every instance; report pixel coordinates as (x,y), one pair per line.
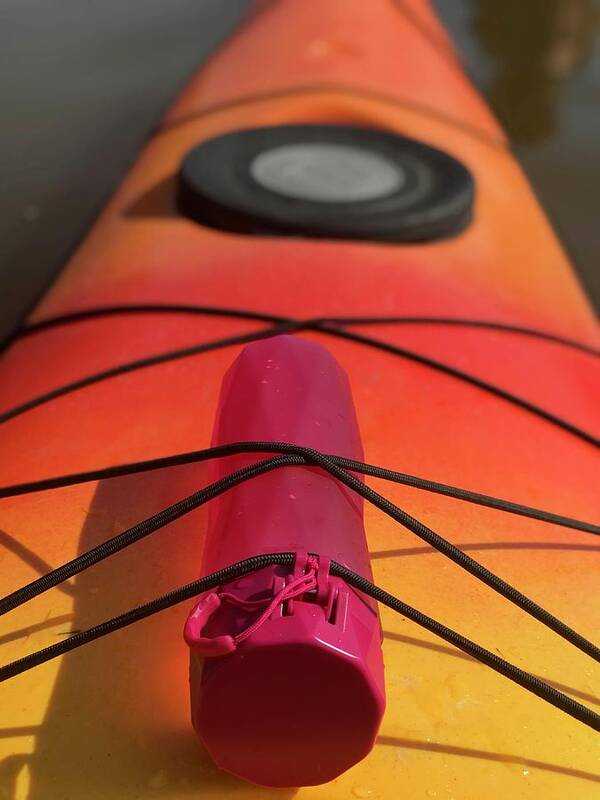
(538,64)
(83,83)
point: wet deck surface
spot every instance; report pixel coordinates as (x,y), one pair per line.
(84,84)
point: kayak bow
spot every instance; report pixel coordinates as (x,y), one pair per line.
(330,217)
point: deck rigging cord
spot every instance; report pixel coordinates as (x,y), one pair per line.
(291,455)
(195,456)
(524,679)
(301,457)
(98,312)
(286,325)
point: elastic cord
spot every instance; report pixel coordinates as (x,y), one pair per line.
(529,682)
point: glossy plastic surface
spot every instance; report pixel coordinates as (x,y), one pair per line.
(316,662)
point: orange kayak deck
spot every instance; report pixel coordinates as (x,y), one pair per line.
(112,719)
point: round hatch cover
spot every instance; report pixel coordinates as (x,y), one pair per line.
(327,173)
(326,181)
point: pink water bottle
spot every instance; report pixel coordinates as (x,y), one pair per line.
(286,669)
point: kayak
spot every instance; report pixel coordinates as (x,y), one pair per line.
(326,244)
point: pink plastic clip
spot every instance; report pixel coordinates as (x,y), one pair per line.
(195,624)
(304,580)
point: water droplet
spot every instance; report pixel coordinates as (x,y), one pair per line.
(362,792)
(318,48)
(525,772)
(292,496)
(431,793)
(159,780)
